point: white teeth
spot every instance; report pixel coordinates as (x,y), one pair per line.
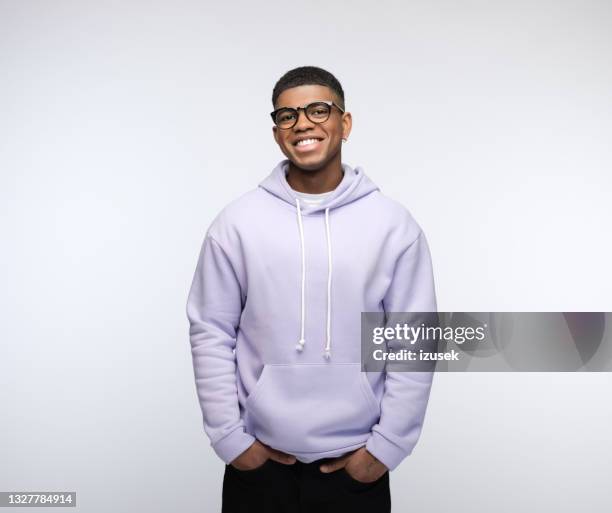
(306,141)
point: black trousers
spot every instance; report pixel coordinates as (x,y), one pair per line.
(301,488)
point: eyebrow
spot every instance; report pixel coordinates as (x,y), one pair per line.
(304,104)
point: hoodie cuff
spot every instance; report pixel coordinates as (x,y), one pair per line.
(233,445)
(387,452)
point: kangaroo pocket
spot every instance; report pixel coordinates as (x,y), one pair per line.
(312,408)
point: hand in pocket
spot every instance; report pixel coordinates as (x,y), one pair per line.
(359,465)
(257,455)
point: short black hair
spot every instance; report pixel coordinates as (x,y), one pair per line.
(308,75)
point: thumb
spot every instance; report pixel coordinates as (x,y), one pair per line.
(333,465)
(281,457)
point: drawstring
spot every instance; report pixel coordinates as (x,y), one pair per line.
(327,353)
(302,341)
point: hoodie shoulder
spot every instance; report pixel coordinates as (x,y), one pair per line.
(224,228)
(397,216)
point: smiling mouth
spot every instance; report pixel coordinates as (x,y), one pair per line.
(307,144)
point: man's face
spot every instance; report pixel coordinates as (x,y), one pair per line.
(329,133)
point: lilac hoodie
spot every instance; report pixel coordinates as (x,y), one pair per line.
(275,311)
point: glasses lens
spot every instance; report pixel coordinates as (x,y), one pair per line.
(318,112)
(285,118)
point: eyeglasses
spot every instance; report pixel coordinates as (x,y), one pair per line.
(317,112)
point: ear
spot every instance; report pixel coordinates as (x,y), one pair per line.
(275,133)
(347,124)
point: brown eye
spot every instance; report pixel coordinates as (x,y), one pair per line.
(285,117)
(318,111)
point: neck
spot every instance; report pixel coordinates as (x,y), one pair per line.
(315,181)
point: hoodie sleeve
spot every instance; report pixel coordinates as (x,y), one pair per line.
(406,393)
(214,306)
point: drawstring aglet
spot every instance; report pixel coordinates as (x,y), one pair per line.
(300,345)
(327,354)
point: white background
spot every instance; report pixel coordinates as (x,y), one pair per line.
(125,126)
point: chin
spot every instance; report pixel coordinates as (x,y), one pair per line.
(308,164)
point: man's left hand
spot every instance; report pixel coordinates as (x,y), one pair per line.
(361,465)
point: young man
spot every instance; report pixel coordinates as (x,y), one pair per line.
(283,275)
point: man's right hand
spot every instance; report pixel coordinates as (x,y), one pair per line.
(257,454)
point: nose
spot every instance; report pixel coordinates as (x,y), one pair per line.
(302,118)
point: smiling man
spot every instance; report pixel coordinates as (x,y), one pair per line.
(283,275)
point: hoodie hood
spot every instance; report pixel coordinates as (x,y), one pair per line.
(353,186)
